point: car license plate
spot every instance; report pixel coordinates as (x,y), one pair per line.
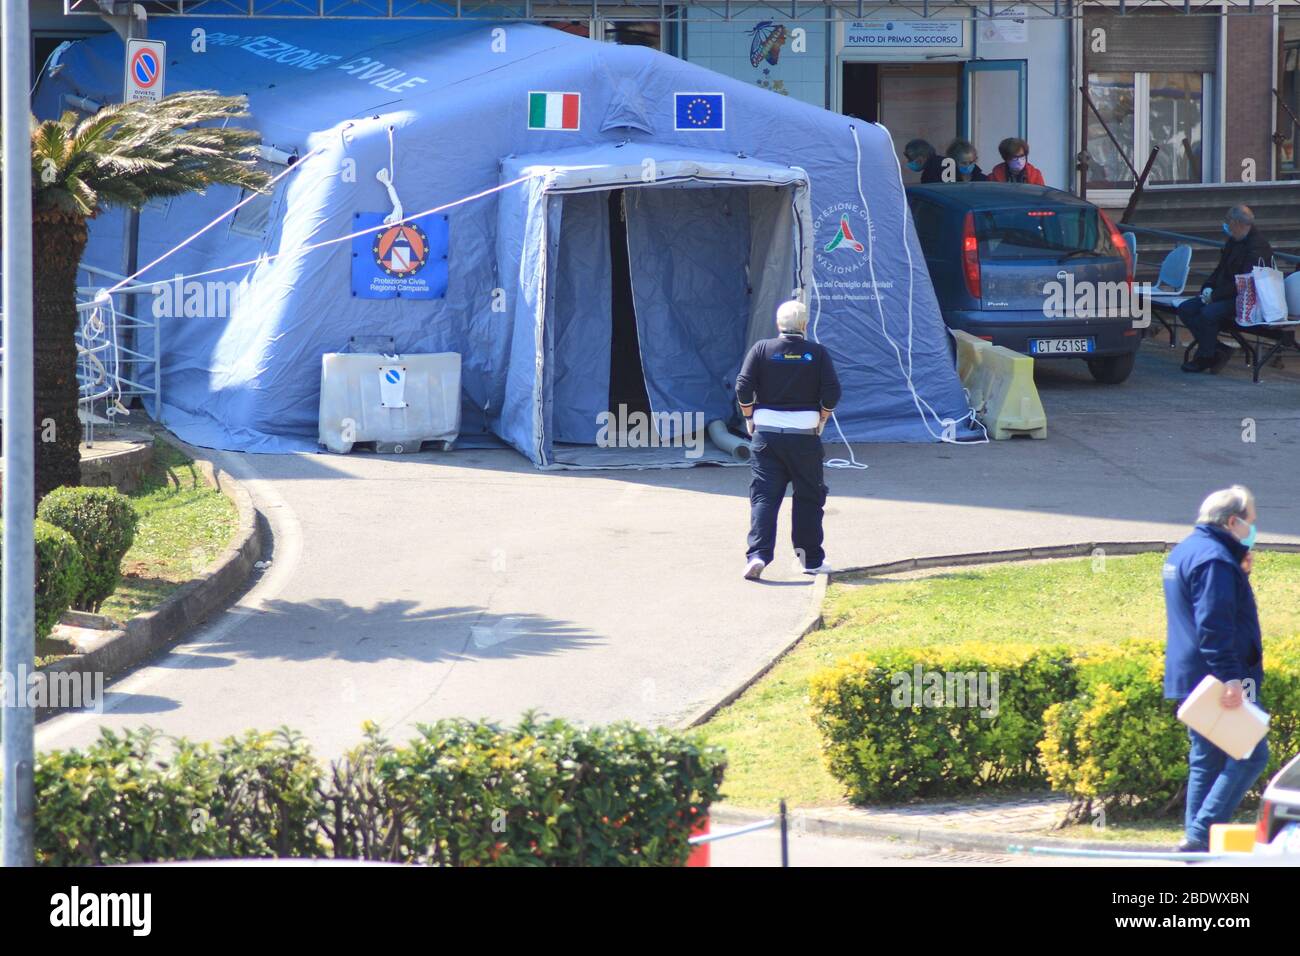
(1062,346)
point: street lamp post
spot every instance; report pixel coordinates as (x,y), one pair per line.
(18,591)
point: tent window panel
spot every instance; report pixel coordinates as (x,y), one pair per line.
(254,219)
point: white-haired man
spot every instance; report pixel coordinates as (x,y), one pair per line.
(1213,628)
(1215,310)
(787,388)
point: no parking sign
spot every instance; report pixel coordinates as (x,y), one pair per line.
(144,70)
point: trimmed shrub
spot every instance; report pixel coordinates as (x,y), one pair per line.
(103,522)
(129,799)
(462,793)
(60,575)
(467,793)
(902,722)
(1119,745)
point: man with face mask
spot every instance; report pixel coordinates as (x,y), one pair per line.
(922,158)
(1213,628)
(1216,309)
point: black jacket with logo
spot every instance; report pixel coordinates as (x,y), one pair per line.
(1238,257)
(789,374)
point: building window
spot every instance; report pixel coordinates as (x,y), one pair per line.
(1142,111)
(1289,117)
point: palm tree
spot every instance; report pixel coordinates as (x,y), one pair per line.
(123,155)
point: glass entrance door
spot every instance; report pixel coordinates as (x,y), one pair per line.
(994,105)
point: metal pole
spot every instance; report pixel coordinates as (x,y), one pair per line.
(18,590)
(785,838)
(133,29)
(1138,187)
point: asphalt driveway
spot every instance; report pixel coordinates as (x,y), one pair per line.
(407,589)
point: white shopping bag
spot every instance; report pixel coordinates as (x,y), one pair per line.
(1270,295)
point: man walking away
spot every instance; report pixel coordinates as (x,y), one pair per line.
(1213,628)
(787,388)
(1216,309)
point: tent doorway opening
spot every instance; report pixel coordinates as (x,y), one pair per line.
(641,295)
(627,390)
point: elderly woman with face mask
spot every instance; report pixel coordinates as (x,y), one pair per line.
(1015,166)
(964,163)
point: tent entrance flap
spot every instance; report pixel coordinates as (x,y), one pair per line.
(627,382)
(643,298)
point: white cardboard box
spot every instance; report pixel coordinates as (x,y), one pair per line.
(1234,730)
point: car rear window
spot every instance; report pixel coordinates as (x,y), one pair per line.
(1026,232)
(1289,779)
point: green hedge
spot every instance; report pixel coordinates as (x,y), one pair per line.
(1118,743)
(103,522)
(60,575)
(884,740)
(140,797)
(461,793)
(1093,724)
(1119,746)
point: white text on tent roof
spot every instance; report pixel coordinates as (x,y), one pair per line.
(362,67)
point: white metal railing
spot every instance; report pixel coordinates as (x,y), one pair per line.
(118,344)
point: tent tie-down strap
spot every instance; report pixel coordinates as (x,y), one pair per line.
(947,426)
(389,178)
(106,293)
(303,250)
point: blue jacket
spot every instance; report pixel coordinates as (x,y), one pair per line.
(1213,624)
(788,373)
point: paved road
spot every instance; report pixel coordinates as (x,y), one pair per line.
(810,849)
(403,590)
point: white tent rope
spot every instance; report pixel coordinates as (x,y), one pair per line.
(302,250)
(922,406)
(235,208)
(851,461)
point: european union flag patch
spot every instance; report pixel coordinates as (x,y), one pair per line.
(699,111)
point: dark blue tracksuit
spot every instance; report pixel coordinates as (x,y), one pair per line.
(1213,628)
(787,373)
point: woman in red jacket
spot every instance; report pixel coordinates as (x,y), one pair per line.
(1015,167)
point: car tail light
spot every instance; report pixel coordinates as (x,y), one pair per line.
(1117,240)
(1264,823)
(970,256)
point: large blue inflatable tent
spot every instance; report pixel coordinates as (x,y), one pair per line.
(732,199)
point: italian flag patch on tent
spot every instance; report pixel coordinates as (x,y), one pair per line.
(553,110)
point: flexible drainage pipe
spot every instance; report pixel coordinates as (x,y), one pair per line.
(737,448)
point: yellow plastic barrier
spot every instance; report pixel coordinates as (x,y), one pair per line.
(1001,387)
(1232,838)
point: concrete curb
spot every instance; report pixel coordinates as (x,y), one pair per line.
(1034,554)
(981,841)
(812,621)
(121,470)
(191,604)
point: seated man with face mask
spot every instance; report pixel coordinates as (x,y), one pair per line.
(1216,308)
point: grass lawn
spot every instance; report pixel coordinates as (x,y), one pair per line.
(184,524)
(774,749)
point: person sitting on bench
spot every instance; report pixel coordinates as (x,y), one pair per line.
(1216,309)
